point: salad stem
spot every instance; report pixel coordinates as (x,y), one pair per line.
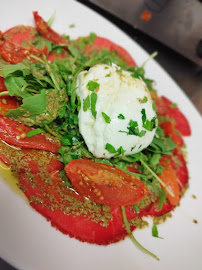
(157,178)
(132,236)
(153,55)
(37,59)
(51,19)
(5,93)
(51,131)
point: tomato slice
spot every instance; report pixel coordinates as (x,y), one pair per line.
(14,133)
(2,85)
(169,130)
(104,43)
(14,53)
(164,108)
(169,178)
(6,102)
(21,35)
(46,31)
(105,184)
(180,168)
(166,207)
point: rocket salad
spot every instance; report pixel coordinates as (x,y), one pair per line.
(96,200)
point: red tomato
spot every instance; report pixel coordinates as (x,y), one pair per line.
(2,85)
(180,168)
(6,102)
(14,53)
(169,130)
(19,34)
(169,178)
(164,108)
(105,184)
(5,160)
(166,207)
(46,31)
(14,133)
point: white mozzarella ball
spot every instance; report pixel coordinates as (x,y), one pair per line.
(124,102)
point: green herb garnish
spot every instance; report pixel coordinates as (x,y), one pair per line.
(120,116)
(34,132)
(92,86)
(127,226)
(110,148)
(86,104)
(143,100)
(106,117)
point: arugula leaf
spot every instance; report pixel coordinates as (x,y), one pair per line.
(7,70)
(155,159)
(34,132)
(92,37)
(39,109)
(41,42)
(32,106)
(76,53)
(16,86)
(155,231)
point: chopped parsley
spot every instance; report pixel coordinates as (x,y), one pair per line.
(144,117)
(86,104)
(155,231)
(111,149)
(143,100)
(90,103)
(106,117)
(133,129)
(72,25)
(120,151)
(147,124)
(120,116)
(93,86)
(93,104)
(132,148)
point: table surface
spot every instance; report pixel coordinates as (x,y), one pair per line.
(187,74)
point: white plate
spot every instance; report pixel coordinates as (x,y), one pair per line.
(28,241)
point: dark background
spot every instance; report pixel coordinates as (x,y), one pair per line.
(187,74)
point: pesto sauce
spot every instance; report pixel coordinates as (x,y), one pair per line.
(51,195)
